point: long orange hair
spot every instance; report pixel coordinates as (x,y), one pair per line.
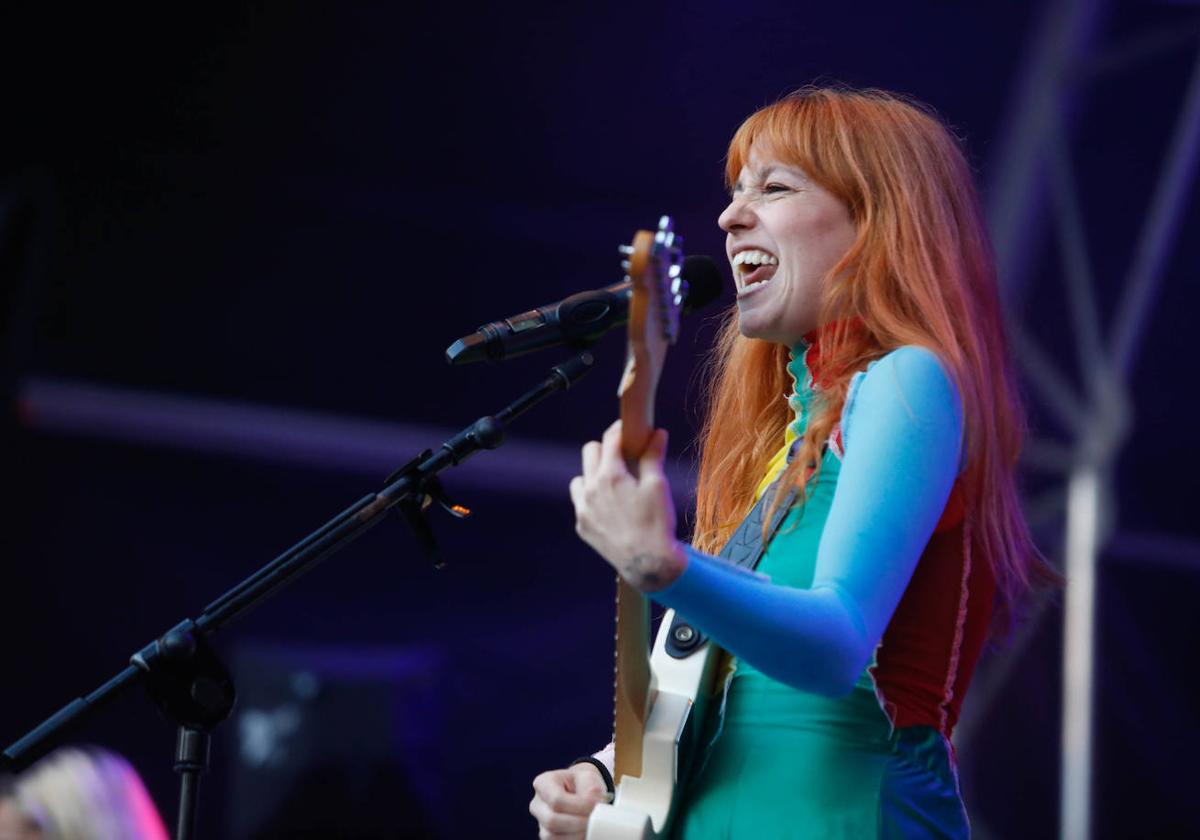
(920,272)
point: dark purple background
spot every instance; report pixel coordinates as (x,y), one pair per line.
(301,207)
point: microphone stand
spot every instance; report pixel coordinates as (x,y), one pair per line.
(183,674)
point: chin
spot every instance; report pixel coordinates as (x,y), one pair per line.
(775,321)
(751,328)
(749,331)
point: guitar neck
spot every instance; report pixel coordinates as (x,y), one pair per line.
(654,261)
(637,409)
(632,690)
(631,703)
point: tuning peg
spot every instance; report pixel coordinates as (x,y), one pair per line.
(625,264)
(625,250)
(674,270)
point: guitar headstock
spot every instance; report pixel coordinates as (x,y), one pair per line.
(654,267)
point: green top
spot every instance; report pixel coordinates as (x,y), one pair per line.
(784,763)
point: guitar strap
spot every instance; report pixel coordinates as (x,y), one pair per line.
(744,548)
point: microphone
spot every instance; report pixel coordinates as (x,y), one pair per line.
(576,321)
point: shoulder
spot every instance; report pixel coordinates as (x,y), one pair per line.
(910,374)
(910,383)
(912,367)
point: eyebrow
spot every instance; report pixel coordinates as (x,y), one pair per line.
(764,174)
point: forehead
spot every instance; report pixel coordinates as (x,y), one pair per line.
(763,162)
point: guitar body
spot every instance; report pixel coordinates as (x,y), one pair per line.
(644,804)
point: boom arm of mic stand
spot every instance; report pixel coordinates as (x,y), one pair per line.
(485,433)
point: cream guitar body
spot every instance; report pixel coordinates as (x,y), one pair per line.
(679,689)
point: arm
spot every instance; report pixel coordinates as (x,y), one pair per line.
(903,433)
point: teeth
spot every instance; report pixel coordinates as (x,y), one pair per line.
(754,258)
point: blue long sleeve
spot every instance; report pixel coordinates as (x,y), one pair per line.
(902,432)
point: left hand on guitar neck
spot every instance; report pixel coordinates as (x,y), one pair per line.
(629,519)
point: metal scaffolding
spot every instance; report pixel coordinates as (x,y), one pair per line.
(1034,177)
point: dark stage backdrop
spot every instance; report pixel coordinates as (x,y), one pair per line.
(290,210)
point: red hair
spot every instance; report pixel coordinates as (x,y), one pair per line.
(920,272)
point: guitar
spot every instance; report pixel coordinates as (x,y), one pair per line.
(658,701)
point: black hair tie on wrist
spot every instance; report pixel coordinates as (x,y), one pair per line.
(599,765)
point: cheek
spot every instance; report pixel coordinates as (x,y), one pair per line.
(823,242)
(839,230)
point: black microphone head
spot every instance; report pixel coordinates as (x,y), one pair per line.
(703,279)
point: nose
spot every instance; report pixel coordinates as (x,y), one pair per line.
(736,216)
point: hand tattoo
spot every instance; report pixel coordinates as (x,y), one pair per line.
(644,571)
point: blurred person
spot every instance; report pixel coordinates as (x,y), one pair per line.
(862,392)
(78,794)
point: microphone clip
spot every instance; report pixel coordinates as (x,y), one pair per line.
(413,506)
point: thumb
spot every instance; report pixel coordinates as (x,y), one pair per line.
(587,780)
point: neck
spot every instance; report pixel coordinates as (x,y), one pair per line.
(809,346)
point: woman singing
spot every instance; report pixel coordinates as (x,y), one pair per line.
(861,388)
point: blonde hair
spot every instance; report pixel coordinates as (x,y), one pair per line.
(92,794)
(919,272)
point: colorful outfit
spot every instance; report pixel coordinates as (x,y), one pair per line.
(854,640)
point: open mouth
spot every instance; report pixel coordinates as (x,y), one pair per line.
(752,267)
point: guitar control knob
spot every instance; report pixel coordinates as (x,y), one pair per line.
(684,634)
(684,639)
